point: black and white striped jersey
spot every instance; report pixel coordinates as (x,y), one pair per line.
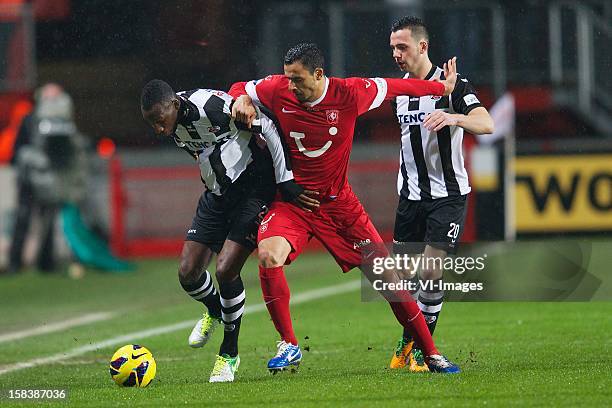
(224,149)
(431,163)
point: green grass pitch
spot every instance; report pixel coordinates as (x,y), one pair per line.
(512,354)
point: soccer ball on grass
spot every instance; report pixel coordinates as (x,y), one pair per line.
(132,366)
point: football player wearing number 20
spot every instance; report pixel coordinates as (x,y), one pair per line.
(317,116)
(432,181)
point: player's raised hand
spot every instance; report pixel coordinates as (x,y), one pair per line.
(450,76)
(243,110)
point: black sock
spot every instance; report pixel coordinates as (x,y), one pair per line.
(232,308)
(430,302)
(204,291)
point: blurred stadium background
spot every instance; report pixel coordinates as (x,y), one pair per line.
(541,67)
(546,171)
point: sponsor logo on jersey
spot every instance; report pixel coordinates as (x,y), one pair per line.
(285,110)
(412,118)
(332,116)
(309,153)
(436,98)
(362,243)
(197,145)
(191,231)
(470,99)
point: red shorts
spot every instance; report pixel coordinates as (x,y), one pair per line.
(342,226)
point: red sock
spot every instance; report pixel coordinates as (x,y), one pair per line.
(409,315)
(276,294)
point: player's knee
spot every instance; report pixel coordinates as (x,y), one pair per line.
(273,252)
(188,271)
(225,272)
(267,259)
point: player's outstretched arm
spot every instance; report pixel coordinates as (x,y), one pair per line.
(370,93)
(412,87)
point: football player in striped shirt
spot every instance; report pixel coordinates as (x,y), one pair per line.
(241,169)
(432,181)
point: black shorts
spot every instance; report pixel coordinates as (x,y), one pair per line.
(218,218)
(438,223)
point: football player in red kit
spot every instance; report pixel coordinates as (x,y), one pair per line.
(317,117)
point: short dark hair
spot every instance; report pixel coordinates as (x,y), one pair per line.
(308,54)
(416,25)
(154,92)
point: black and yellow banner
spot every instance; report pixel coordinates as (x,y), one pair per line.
(564,193)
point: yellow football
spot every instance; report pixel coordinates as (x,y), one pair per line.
(132,366)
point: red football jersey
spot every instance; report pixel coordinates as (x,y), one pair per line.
(319,134)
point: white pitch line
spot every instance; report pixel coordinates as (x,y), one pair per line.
(156,331)
(53,327)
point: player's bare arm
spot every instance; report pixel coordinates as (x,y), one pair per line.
(477,121)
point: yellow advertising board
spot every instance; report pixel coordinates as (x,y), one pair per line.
(557,193)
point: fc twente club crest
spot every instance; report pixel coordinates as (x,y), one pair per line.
(332,116)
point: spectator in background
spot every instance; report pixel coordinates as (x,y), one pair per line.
(49,156)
